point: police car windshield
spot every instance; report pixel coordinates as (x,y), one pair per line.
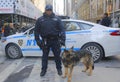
(64,17)
(25,28)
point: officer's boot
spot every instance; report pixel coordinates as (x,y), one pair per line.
(59,72)
(43,72)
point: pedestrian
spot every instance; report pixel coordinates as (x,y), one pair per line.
(116,24)
(12,28)
(98,21)
(6,30)
(0,30)
(106,21)
(51,30)
(119,22)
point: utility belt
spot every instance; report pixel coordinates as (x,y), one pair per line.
(51,37)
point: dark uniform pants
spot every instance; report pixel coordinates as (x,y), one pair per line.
(56,49)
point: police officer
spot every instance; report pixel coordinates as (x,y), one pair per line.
(51,30)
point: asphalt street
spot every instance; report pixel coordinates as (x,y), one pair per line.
(27,69)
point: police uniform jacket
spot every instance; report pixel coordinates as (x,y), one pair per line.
(47,26)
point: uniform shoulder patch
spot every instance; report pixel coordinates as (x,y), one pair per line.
(42,19)
(55,19)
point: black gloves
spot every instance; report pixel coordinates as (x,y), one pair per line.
(40,44)
(62,38)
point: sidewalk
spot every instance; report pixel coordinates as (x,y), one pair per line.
(2,57)
(100,74)
(105,72)
(0,48)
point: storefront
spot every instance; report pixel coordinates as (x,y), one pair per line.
(18,11)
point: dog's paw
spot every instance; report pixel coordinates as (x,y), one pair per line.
(89,74)
(83,70)
(69,80)
(64,77)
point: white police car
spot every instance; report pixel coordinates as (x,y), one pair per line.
(100,40)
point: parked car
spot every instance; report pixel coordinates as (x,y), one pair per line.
(101,41)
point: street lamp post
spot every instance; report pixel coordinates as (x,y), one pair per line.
(13,11)
(14,16)
(75,14)
(113,13)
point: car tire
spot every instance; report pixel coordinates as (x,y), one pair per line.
(13,51)
(96,50)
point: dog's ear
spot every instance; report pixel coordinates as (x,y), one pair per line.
(65,50)
(71,49)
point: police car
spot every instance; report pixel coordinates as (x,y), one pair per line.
(101,41)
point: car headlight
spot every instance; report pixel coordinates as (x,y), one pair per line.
(3,39)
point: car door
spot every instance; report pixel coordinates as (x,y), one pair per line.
(31,48)
(72,38)
(77,33)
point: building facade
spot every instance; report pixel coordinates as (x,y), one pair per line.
(84,10)
(93,10)
(40,4)
(67,7)
(49,2)
(18,11)
(71,8)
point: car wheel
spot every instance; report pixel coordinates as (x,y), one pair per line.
(95,49)
(13,51)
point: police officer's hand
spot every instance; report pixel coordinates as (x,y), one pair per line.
(39,44)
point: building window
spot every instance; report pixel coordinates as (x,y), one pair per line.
(119,4)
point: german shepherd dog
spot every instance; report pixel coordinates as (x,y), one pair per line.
(71,58)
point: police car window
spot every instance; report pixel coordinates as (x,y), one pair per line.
(31,31)
(86,26)
(70,26)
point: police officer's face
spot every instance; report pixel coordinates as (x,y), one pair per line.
(48,12)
